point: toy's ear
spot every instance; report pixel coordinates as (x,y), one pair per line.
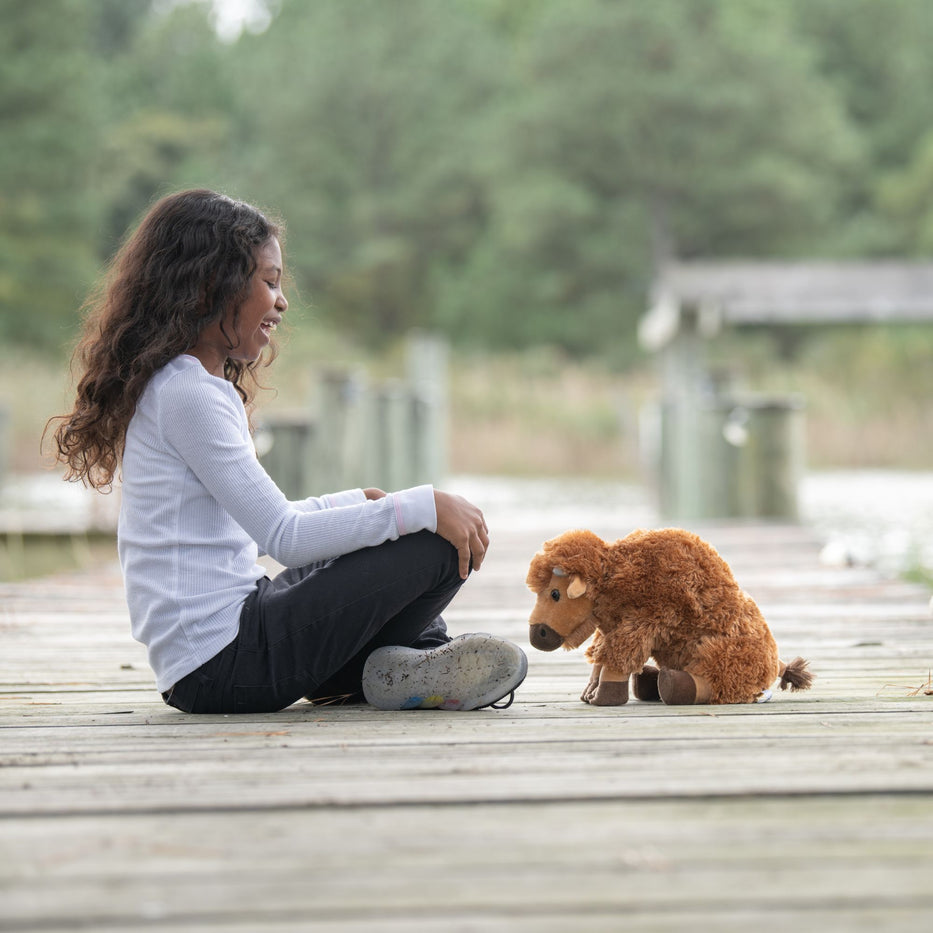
(576,588)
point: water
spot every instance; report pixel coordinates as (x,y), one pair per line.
(43,502)
(882,519)
(877,518)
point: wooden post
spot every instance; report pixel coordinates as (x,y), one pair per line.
(4,442)
(428,364)
(284,446)
(684,380)
(716,459)
(772,461)
(340,449)
(394,435)
(749,458)
(722,456)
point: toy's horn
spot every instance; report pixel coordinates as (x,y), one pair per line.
(559,572)
(577,588)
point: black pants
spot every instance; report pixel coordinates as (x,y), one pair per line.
(308,631)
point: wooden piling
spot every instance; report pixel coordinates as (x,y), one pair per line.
(357,432)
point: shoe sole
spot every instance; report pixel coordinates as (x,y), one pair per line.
(470,672)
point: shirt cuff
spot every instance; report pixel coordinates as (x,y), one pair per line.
(414,509)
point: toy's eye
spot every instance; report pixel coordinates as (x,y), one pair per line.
(555,595)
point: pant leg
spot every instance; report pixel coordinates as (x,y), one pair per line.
(309,631)
(432,636)
(345,685)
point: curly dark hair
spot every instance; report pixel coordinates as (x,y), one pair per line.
(188,264)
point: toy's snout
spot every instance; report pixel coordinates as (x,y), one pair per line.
(544,638)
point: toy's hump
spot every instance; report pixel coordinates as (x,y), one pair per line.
(656,535)
(577,536)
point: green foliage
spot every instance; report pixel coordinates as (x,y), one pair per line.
(171,108)
(877,57)
(906,198)
(510,171)
(373,154)
(47,128)
(636,131)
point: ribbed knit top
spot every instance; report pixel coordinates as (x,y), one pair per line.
(198,508)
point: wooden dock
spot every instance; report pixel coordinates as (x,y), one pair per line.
(811,812)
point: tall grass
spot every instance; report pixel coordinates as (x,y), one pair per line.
(539,414)
(33,388)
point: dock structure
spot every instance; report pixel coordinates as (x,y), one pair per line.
(720,450)
(813,811)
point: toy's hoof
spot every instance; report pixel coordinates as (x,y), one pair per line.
(678,688)
(645,684)
(589,691)
(610,693)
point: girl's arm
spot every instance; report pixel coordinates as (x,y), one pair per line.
(205,423)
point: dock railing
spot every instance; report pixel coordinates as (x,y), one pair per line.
(356,431)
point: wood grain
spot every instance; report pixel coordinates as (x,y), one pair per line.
(816,809)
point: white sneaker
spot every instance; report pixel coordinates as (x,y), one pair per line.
(470,672)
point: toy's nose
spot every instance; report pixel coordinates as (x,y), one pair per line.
(544,638)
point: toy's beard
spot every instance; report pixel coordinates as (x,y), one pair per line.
(579,634)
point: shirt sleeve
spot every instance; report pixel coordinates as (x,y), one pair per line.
(203,420)
(331,500)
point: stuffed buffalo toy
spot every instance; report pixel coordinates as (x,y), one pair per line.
(662,595)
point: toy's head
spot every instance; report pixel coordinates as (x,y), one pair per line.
(563,575)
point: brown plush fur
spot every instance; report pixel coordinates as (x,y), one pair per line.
(663,594)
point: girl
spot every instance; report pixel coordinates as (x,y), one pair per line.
(169,351)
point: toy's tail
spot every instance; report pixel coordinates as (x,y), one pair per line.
(796,675)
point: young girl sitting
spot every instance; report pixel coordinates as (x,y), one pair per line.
(170,346)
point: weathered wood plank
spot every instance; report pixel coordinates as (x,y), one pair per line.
(117,813)
(534,753)
(636,864)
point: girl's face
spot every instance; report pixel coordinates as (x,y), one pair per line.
(259,316)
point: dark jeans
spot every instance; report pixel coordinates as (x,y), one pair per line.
(308,631)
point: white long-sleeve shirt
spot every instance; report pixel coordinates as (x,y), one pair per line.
(197,507)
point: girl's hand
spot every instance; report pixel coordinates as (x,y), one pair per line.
(372,493)
(462,524)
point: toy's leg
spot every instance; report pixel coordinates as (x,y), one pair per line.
(612,689)
(737,668)
(678,688)
(645,684)
(589,691)
(606,687)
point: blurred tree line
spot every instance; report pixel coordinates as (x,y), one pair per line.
(507,171)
